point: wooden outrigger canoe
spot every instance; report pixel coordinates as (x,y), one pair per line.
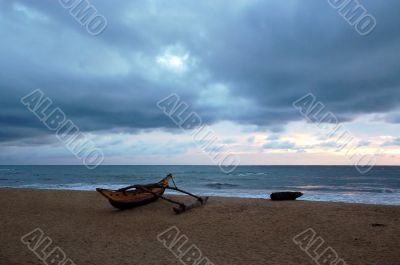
(126,198)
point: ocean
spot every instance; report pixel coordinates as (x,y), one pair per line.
(318,183)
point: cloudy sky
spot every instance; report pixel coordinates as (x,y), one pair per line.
(239,65)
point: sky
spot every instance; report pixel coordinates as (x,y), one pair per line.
(240,67)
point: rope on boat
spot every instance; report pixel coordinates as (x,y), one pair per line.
(173,181)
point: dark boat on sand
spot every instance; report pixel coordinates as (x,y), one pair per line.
(285,195)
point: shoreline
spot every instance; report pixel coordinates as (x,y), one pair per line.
(226,230)
(266,197)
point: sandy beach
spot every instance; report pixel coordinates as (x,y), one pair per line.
(227,230)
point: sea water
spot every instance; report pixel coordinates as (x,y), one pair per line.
(318,183)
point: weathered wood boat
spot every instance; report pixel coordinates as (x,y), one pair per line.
(125,198)
(139,195)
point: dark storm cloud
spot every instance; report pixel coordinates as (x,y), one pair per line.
(265,53)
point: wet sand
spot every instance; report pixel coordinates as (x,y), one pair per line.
(227,230)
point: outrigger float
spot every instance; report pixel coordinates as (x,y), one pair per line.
(139,195)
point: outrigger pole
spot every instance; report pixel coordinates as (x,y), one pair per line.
(182,207)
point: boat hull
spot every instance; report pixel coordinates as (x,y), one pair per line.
(130,199)
(285,195)
(129,205)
